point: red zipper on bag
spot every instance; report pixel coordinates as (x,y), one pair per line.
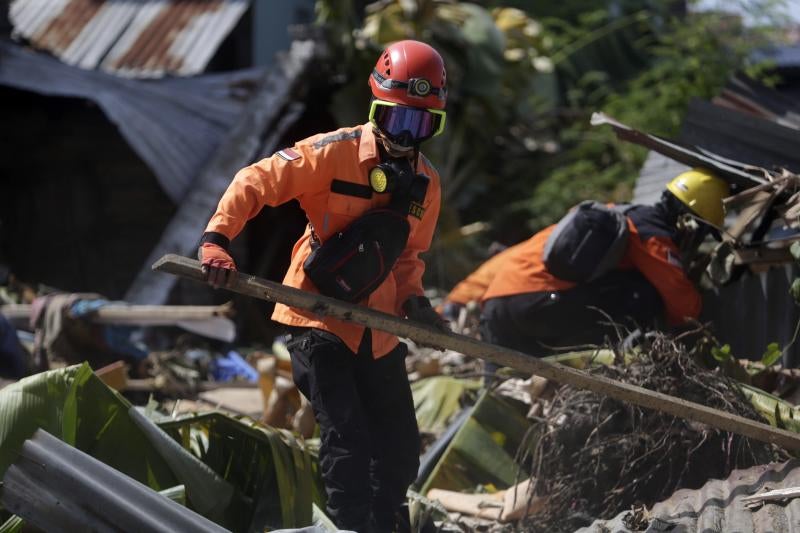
(380,270)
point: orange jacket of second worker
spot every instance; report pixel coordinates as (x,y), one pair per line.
(329,175)
(473,287)
(649,251)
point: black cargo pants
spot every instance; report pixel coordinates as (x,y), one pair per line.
(537,322)
(370,446)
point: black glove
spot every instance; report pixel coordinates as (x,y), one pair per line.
(418,309)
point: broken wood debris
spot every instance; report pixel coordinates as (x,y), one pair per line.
(771,496)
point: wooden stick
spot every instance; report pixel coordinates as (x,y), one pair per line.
(135,314)
(428,335)
(772,495)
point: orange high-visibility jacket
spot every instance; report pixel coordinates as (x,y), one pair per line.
(473,287)
(650,250)
(329,175)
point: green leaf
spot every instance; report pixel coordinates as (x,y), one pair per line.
(777,414)
(208,493)
(794,290)
(13,525)
(275,477)
(794,249)
(772,354)
(722,353)
(482,451)
(437,399)
(176,494)
(584,358)
(35,402)
(74,405)
(776,411)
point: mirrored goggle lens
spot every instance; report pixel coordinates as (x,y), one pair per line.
(396,120)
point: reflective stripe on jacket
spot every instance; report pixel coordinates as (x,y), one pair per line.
(651,250)
(340,160)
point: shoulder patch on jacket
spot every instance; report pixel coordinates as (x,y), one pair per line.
(289,154)
(336,137)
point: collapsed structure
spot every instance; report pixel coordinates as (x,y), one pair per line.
(245,475)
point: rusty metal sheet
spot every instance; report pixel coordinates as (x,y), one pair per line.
(133,38)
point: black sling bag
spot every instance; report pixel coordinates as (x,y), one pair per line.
(352,263)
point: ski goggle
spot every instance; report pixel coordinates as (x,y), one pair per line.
(404,124)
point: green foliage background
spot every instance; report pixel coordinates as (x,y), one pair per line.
(524,78)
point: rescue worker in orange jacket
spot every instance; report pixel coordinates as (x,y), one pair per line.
(529,309)
(355,378)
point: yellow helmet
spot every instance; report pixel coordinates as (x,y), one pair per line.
(702,192)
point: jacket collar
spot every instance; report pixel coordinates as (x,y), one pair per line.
(368,144)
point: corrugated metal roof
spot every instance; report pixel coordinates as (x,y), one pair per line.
(762,303)
(58,488)
(749,96)
(174,125)
(654,176)
(744,137)
(134,38)
(718,506)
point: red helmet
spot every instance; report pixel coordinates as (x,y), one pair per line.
(410,73)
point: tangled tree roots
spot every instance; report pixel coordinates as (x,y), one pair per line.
(595,457)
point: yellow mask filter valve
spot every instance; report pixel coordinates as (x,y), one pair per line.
(378,180)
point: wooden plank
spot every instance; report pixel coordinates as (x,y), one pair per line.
(206,320)
(238,150)
(428,335)
(135,314)
(772,495)
(689,156)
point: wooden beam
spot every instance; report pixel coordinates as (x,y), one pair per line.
(428,335)
(689,156)
(135,314)
(207,320)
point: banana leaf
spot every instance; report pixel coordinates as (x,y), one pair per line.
(585,358)
(483,450)
(76,406)
(275,477)
(14,524)
(176,494)
(438,399)
(778,412)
